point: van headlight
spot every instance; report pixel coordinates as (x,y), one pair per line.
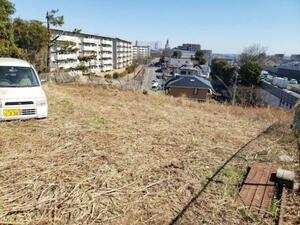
(41,102)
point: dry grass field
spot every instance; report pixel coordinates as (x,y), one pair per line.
(109,156)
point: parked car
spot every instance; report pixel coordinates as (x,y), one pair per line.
(155,85)
(157,64)
(293,81)
(21,93)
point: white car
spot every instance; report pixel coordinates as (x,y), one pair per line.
(155,85)
(21,94)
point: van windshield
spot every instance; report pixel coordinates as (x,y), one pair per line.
(17,77)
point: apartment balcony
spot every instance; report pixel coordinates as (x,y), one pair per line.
(90,48)
(65,65)
(106,42)
(107,61)
(91,41)
(65,57)
(106,49)
(106,55)
(65,38)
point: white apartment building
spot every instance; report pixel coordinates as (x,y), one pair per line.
(85,45)
(122,53)
(140,52)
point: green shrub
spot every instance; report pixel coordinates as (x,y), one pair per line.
(116,75)
(131,68)
(123,74)
(83,68)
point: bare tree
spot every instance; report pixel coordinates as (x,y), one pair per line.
(254,52)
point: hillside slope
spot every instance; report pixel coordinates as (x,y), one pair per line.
(120,157)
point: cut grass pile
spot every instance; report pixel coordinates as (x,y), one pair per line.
(120,157)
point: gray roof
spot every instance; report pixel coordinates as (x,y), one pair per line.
(174,61)
(189,82)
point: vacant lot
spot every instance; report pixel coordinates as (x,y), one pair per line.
(120,157)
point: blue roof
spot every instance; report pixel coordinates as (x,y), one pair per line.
(190,82)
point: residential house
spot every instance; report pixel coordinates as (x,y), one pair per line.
(188,70)
(190,86)
(203,70)
(177,63)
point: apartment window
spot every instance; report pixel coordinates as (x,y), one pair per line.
(195,92)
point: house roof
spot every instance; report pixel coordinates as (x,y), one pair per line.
(173,61)
(189,82)
(188,67)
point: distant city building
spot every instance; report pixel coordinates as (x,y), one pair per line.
(295,57)
(110,52)
(230,58)
(167,45)
(156,52)
(184,53)
(140,52)
(278,56)
(190,47)
(290,70)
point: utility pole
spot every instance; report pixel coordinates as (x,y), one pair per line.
(234,88)
(48,47)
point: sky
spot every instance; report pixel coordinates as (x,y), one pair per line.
(224,26)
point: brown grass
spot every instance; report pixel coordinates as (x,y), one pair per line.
(120,157)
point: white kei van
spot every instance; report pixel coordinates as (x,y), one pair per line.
(21,94)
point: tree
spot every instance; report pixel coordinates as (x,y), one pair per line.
(254,52)
(177,54)
(167,52)
(199,56)
(7,45)
(249,73)
(56,21)
(32,37)
(162,60)
(223,70)
(85,63)
(67,47)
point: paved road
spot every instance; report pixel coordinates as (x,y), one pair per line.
(148,77)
